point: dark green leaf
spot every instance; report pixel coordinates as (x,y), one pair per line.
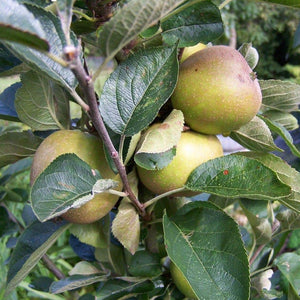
(74,282)
(7,103)
(192,23)
(19,25)
(32,245)
(136,90)
(7,60)
(42,104)
(158,145)
(255,135)
(41,283)
(39,61)
(145,264)
(17,145)
(237,176)
(115,289)
(7,226)
(287,120)
(296,42)
(279,95)
(280,130)
(289,265)
(204,242)
(131,20)
(66,183)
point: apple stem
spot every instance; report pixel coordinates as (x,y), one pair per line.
(87,86)
(155,199)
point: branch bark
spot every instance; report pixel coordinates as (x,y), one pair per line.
(86,84)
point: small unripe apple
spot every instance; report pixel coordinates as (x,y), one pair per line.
(90,149)
(188,51)
(181,283)
(217,91)
(192,150)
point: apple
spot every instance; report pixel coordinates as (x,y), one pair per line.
(90,149)
(217,91)
(181,282)
(188,51)
(192,150)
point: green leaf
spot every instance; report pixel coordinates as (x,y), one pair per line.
(126,225)
(136,90)
(42,104)
(157,147)
(250,53)
(145,264)
(192,23)
(115,289)
(31,246)
(7,226)
(65,15)
(289,265)
(285,173)
(289,220)
(255,135)
(84,268)
(74,282)
(132,19)
(237,176)
(204,242)
(287,120)
(17,145)
(19,25)
(280,130)
(41,62)
(293,3)
(66,183)
(93,234)
(279,95)
(259,222)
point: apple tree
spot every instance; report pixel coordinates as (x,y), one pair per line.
(148,207)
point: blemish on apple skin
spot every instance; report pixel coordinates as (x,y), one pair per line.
(164,126)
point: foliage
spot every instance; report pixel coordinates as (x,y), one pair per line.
(76,63)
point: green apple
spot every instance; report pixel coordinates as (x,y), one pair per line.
(181,283)
(192,150)
(188,51)
(217,91)
(90,149)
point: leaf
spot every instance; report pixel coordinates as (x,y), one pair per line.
(7,103)
(17,145)
(92,234)
(289,265)
(115,289)
(66,183)
(132,19)
(41,62)
(296,42)
(192,23)
(237,176)
(157,147)
(279,95)
(250,53)
(126,225)
(7,60)
(145,264)
(41,104)
(287,120)
(132,147)
(65,15)
(136,90)
(289,220)
(255,135)
(31,246)
(202,247)
(7,226)
(259,222)
(18,25)
(84,268)
(74,282)
(285,173)
(293,3)
(280,130)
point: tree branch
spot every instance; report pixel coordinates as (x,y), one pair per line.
(86,83)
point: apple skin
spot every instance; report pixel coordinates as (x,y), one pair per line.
(192,150)
(188,51)
(217,91)
(90,149)
(181,283)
